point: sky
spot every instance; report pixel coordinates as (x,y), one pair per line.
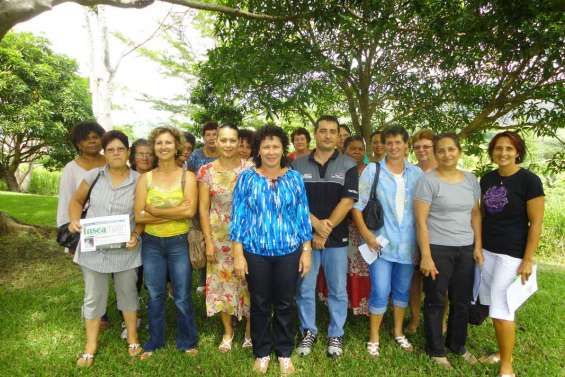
(65,27)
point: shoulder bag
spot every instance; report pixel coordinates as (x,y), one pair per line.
(373,213)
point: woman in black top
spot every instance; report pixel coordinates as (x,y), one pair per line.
(512,207)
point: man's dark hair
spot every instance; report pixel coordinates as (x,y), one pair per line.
(209,126)
(81,131)
(110,136)
(301,131)
(326,118)
(189,138)
(268,131)
(395,131)
(247,135)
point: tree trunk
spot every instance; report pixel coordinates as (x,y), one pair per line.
(11,181)
(9,225)
(101,73)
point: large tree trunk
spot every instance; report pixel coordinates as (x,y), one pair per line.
(101,71)
(9,175)
(9,225)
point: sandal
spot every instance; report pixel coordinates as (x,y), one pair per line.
(404,343)
(247,343)
(225,345)
(493,358)
(373,349)
(134,349)
(85,360)
(261,364)
(442,361)
(191,352)
(146,355)
(286,366)
(470,358)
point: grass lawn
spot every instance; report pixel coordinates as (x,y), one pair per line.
(32,209)
(41,331)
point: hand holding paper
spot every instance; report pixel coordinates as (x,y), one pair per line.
(370,255)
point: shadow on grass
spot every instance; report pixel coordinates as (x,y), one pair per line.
(41,331)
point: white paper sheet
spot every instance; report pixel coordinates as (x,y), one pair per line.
(102,231)
(369,255)
(517,293)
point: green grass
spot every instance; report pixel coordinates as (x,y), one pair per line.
(42,334)
(31,209)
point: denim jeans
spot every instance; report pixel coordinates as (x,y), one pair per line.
(456,268)
(162,255)
(389,279)
(334,263)
(272,284)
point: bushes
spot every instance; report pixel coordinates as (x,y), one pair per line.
(44,182)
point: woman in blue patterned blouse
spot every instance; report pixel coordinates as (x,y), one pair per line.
(271,233)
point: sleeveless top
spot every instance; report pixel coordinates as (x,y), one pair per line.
(161,198)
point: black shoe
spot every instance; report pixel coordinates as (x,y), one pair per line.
(335,346)
(305,346)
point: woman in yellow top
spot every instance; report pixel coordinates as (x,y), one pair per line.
(165,200)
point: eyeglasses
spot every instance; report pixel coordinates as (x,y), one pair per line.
(115,150)
(418,147)
(144,155)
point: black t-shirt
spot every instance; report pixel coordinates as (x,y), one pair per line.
(325,186)
(505,222)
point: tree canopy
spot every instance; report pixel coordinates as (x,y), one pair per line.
(467,66)
(41,97)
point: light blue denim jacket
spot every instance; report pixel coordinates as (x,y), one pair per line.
(402,237)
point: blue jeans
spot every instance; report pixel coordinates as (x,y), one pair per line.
(161,255)
(334,263)
(389,279)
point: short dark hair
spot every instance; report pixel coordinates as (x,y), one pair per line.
(516,140)
(248,135)
(133,152)
(351,139)
(301,131)
(326,118)
(112,135)
(395,130)
(230,126)
(447,135)
(189,138)
(345,128)
(209,126)
(265,132)
(377,132)
(81,131)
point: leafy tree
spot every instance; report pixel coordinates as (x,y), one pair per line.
(41,97)
(466,66)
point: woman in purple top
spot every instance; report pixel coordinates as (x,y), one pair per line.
(512,208)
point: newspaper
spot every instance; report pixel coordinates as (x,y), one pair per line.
(104,232)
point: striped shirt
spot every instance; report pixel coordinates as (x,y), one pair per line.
(107,201)
(270,219)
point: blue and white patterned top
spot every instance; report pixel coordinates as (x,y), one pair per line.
(402,236)
(270,219)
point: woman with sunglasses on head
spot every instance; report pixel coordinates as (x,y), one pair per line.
(448,222)
(165,201)
(512,207)
(226,293)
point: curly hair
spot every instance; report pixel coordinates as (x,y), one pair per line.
(269,131)
(81,130)
(174,132)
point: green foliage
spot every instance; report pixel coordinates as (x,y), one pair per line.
(41,97)
(44,182)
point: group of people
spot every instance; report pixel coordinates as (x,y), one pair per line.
(271,221)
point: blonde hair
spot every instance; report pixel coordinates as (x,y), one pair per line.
(175,133)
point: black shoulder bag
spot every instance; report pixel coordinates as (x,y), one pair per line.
(65,237)
(373,213)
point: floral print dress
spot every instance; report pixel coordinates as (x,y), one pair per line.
(225,292)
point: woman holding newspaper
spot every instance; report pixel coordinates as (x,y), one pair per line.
(109,191)
(512,207)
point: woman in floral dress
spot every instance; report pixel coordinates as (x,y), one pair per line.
(226,293)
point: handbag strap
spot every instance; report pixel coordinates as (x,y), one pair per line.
(87,201)
(373,194)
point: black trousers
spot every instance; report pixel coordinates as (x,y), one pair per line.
(272,285)
(456,268)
